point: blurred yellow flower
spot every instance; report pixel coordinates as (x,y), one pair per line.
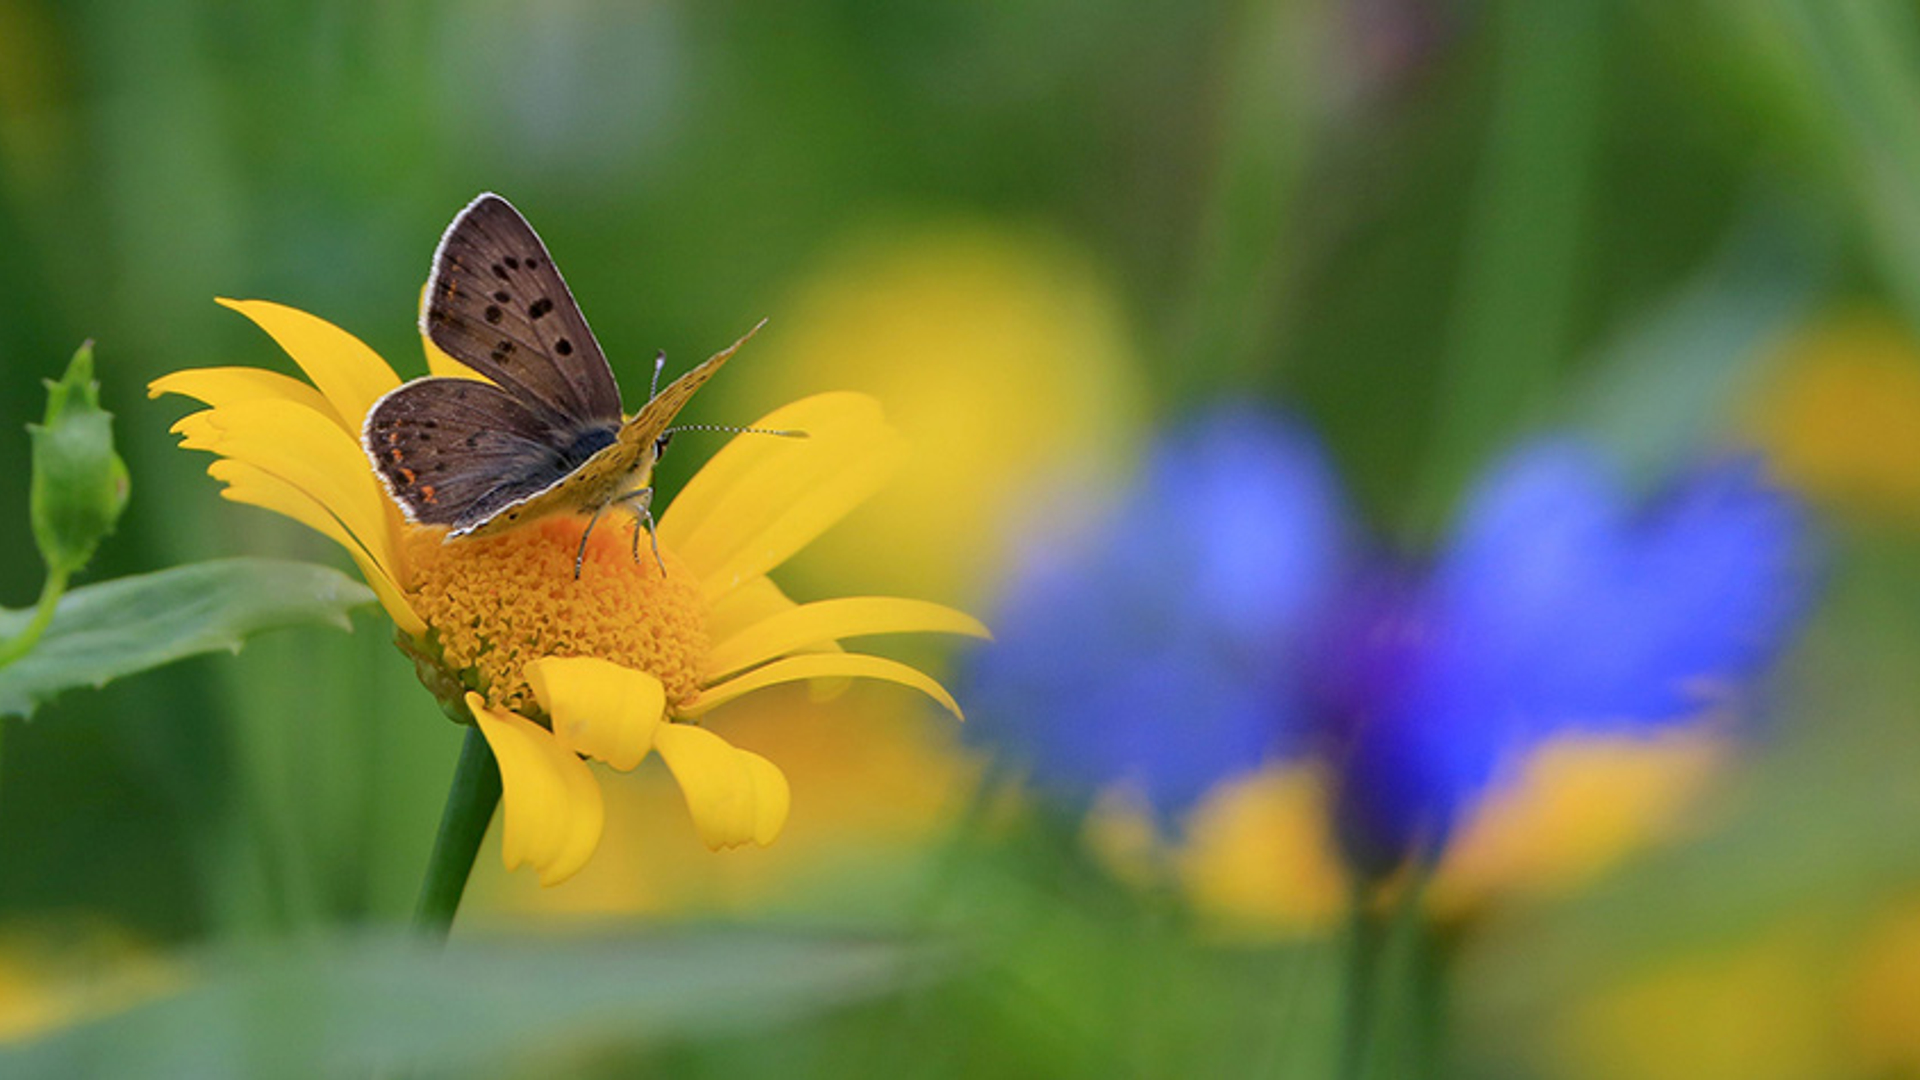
(1759,1011)
(1839,414)
(615,664)
(1578,805)
(1259,856)
(1882,1005)
(52,977)
(1004,360)
(1817,995)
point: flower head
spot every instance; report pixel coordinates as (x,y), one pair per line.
(615,664)
(1556,609)
(1151,647)
(1215,643)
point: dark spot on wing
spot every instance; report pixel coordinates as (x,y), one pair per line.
(502,296)
(533,263)
(563,347)
(502,350)
(539,307)
(512,263)
(499,271)
(493,313)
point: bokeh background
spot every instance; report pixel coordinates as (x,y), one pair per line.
(1043,234)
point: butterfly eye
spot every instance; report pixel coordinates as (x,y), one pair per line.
(660,444)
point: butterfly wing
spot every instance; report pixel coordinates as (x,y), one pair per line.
(653,419)
(496,303)
(459,452)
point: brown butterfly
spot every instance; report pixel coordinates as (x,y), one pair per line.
(547,435)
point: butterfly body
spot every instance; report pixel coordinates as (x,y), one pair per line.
(544,433)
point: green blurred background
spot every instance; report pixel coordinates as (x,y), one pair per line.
(1429,228)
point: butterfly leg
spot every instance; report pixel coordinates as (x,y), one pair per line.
(641,503)
(580,556)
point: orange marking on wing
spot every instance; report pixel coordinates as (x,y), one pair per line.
(397,454)
(406,474)
(426,492)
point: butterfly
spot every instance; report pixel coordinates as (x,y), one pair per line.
(546,434)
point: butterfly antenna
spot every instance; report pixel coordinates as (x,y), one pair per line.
(659,362)
(726,430)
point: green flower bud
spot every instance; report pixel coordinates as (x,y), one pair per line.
(79,483)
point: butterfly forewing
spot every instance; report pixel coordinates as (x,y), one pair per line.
(546,436)
(459,452)
(652,420)
(496,303)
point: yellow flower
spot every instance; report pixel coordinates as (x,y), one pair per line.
(1024,382)
(622,661)
(57,975)
(1022,373)
(1838,412)
(1755,1012)
(1256,856)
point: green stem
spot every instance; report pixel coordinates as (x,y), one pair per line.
(1432,997)
(470,802)
(50,594)
(1367,938)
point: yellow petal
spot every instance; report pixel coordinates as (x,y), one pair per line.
(551,810)
(753,600)
(814,624)
(312,454)
(721,785)
(351,375)
(818,665)
(762,498)
(771,797)
(219,386)
(747,603)
(248,484)
(599,708)
(439,363)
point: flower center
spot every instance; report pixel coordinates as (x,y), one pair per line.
(499,601)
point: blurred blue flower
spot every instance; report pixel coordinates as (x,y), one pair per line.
(1152,645)
(1220,616)
(1555,607)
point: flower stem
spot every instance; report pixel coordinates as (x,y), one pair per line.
(1367,938)
(50,594)
(470,802)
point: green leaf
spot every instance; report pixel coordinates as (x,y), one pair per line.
(102,632)
(79,484)
(383,1003)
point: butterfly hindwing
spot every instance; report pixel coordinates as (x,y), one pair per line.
(459,452)
(496,303)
